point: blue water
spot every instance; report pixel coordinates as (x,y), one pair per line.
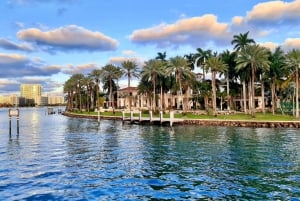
(61,158)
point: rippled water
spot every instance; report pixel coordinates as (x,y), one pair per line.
(61,158)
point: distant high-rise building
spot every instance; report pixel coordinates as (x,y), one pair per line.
(31,91)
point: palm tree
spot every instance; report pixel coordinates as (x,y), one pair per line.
(161,56)
(179,66)
(239,42)
(110,73)
(276,73)
(152,69)
(215,64)
(70,88)
(130,70)
(229,59)
(293,61)
(200,57)
(96,74)
(256,57)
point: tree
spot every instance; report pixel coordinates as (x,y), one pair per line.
(96,74)
(200,57)
(276,73)
(150,71)
(179,66)
(293,61)
(256,57)
(130,70)
(215,64)
(239,42)
(229,59)
(110,73)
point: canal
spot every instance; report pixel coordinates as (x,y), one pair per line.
(61,158)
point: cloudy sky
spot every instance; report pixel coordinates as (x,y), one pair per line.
(46,41)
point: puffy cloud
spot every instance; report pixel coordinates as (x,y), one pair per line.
(237,20)
(291,43)
(84,68)
(270,45)
(16,65)
(8,45)
(119,60)
(195,31)
(274,12)
(69,38)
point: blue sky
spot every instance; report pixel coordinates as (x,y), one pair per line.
(46,41)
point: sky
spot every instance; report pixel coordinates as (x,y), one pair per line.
(46,41)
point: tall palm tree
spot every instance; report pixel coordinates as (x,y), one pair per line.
(96,74)
(110,73)
(150,71)
(215,64)
(239,42)
(179,66)
(229,59)
(276,73)
(130,69)
(293,61)
(200,57)
(70,88)
(161,56)
(256,57)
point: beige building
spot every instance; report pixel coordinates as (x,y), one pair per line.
(31,91)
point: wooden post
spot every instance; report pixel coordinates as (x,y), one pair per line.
(9,125)
(98,116)
(171,118)
(123,115)
(131,116)
(161,116)
(18,125)
(140,115)
(150,116)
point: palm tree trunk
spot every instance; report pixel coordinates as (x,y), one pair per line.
(244,97)
(213,82)
(273,97)
(297,93)
(228,96)
(252,92)
(263,97)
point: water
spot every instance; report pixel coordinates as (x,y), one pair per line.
(61,158)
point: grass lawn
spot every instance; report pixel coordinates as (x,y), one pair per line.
(238,116)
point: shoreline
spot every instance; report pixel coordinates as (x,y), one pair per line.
(207,122)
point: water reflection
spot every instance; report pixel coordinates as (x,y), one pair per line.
(61,158)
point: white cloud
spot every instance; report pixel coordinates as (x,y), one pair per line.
(9,45)
(274,12)
(69,38)
(193,31)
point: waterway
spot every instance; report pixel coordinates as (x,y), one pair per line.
(61,158)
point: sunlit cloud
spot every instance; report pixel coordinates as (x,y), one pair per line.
(270,45)
(291,43)
(274,12)
(16,66)
(69,38)
(9,45)
(194,31)
(82,69)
